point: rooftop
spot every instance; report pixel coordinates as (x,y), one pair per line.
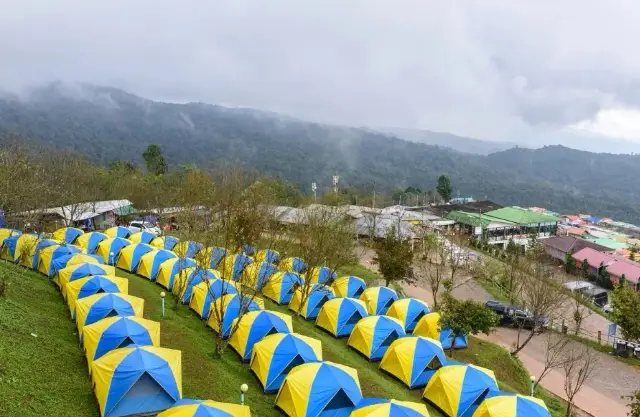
(571,244)
(520,216)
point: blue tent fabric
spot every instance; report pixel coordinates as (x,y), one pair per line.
(264,324)
(386,331)
(161,256)
(316,298)
(60,262)
(426,354)
(97,284)
(325,275)
(116,246)
(123,329)
(395,410)
(446,339)
(291,351)
(333,393)
(41,245)
(108,305)
(183,263)
(524,407)
(85,270)
(194,278)
(216,256)
(232,311)
(170,242)
(216,289)
(265,272)
(249,250)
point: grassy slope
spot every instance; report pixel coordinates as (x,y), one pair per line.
(52,365)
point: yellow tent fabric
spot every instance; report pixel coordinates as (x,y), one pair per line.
(250,328)
(507,405)
(224,305)
(66,234)
(5,233)
(169,268)
(129,257)
(76,259)
(332,314)
(83,307)
(72,289)
(409,358)
(186,279)
(364,336)
(389,408)
(25,246)
(64,275)
(428,326)
(204,293)
(198,408)
(85,239)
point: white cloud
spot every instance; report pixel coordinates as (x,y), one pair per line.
(620,123)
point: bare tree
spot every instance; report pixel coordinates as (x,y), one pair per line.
(579,312)
(579,365)
(555,355)
(432,265)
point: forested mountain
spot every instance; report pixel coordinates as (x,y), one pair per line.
(109,124)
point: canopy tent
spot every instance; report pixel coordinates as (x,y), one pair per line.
(227,308)
(281,286)
(314,296)
(187,249)
(137,380)
(322,275)
(409,311)
(88,242)
(254,326)
(205,408)
(207,291)
(428,326)
(98,306)
(268,255)
(372,335)
(339,315)
(118,231)
(456,389)
(165,242)
(15,247)
(142,237)
(498,404)
(129,257)
(62,262)
(257,274)
(293,264)
(78,271)
(110,249)
(378,299)
(275,355)
(348,286)
(169,268)
(379,407)
(150,262)
(117,332)
(84,287)
(248,250)
(67,235)
(322,389)
(232,265)
(413,359)
(186,279)
(30,254)
(48,255)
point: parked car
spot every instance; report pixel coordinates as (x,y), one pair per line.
(514,316)
(142,226)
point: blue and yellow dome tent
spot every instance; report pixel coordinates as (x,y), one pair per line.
(275,355)
(321,275)
(129,257)
(257,274)
(254,326)
(169,268)
(29,259)
(98,306)
(348,286)
(85,287)
(187,249)
(165,242)
(232,265)
(186,279)
(62,262)
(118,231)
(456,389)
(248,250)
(281,286)
(372,335)
(206,292)
(7,233)
(205,408)
(413,359)
(378,299)
(214,255)
(137,380)
(409,311)
(268,255)
(231,305)
(150,262)
(67,235)
(48,255)
(117,332)
(379,407)
(314,296)
(293,264)
(111,246)
(88,242)
(339,315)
(78,271)
(142,237)
(428,326)
(319,389)
(498,404)
(16,247)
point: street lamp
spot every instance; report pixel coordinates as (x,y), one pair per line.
(243,388)
(162,295)
(533,381)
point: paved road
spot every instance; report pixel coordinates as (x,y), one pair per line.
(599,397)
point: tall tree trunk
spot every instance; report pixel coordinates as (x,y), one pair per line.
(519,346)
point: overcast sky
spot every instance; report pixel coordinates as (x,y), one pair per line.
(522,71)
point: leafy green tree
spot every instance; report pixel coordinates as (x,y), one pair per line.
(444,187)
(584,270)
(154,160)
(634,404)
(569,264)
(394,257)
(625,302)
(465,316)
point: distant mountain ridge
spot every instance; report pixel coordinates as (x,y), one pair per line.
(108,124)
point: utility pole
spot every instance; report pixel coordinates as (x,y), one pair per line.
(314,187)
(336,178)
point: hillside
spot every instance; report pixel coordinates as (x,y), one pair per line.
(108,124)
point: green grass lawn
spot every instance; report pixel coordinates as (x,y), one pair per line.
(47,374)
